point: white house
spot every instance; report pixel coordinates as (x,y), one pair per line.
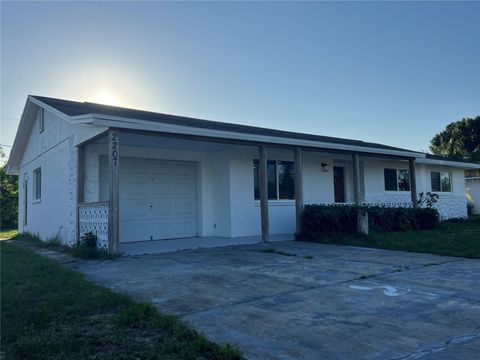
(175,182)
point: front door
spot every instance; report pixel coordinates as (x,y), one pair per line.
(339,184)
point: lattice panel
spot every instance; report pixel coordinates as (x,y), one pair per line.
(94,218)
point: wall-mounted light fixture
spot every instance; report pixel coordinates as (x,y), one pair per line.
(324,167)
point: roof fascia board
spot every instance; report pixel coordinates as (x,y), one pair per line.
(128,123)
(458,164)
(49,108)
(12,169)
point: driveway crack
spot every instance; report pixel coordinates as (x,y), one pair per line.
(461,339)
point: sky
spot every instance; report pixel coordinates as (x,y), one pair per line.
(388,72)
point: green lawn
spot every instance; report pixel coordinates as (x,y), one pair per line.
(451,239)
(7,234)
(50,312)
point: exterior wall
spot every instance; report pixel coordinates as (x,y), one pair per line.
(55,152)
(449,205)
(226,204)
(245,217)
(453,204)
(472,187)
(97,177)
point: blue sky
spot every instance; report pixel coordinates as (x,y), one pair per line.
(394,73)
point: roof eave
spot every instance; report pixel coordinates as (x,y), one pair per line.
(145,125)
(459,164)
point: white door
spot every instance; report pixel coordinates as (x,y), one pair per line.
(157,200)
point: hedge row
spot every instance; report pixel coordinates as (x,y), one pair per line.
(322,220)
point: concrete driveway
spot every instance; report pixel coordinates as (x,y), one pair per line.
(326,302)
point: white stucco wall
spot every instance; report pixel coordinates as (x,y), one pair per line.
(54,151)
(472,187)
(226,204)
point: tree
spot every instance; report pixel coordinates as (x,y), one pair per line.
(8,198)
(460,140)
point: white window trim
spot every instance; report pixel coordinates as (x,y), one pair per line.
(397,192)
(441,191)
(36,200)
(277,201)
(41,121)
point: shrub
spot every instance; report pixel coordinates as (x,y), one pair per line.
(87,248)
(425,219)
(427,200)
(323,220)
(89,239)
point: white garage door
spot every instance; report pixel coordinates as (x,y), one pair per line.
(157,200)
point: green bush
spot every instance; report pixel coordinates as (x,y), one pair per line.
(383,219)
(89,239)
(323,220)
(87,248)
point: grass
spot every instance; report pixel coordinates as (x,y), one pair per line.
(51,312)
(54,243)
(8,233)
(461,239)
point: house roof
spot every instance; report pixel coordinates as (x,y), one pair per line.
(106,116)
(446,158)
(75,108)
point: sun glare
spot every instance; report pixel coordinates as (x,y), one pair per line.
(105,98)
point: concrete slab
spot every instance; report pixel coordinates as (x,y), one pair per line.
(312,301)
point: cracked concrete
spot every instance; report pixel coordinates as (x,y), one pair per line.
(344,303)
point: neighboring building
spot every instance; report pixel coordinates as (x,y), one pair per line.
(136,176)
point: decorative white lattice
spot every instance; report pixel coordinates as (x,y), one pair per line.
(93,218)
(390,204)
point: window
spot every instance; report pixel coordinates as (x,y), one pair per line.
(41,121)
(37,184)
(280,179)
(25,201)
(441,181)
(396,180)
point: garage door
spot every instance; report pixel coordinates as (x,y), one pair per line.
(157,200)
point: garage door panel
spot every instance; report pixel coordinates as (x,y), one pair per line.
(135,229)
(184,208)
(184,186)
(162,208)
(162,185)
(135,188)
(163,230)
(184,227)
(183,168)
(157,200)
(136,209)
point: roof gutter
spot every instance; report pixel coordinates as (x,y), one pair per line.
(459,164)
(128,123)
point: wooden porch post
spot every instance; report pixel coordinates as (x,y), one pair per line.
(113,204)
(413,182)
(356,178)
(263,188)
(298,188)
(80,184)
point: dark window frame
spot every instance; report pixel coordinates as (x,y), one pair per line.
(402,180)
(276,190)
(440,181)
